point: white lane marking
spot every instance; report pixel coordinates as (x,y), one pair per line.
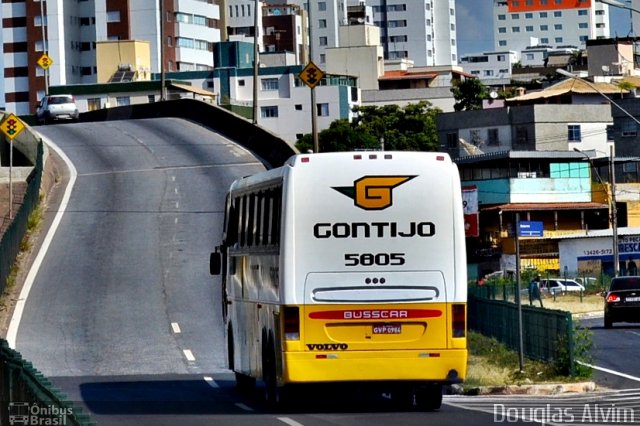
(175,190)
(176,328)
(243,406)
(12,332)
(634,332)
(289,421)
(211,382)
(606,370)
(177,205)
(175,220)
(189,355)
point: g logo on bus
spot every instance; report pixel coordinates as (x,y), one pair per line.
(373,192)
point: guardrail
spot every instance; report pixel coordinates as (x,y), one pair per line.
(27,397)
(547,333)
(270,148)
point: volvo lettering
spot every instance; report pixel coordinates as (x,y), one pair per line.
(347,268)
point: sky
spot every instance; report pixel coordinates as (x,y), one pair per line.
(477,38)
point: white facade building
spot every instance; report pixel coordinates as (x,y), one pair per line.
(492,68)
(72,28)
(557,23)
(421,30)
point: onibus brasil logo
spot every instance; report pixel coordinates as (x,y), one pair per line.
(31,413)
(373,192)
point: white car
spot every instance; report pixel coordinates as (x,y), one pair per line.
(561,286)
(56,107)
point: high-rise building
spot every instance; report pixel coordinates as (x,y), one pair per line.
(423,31)
(68,31)
(519,24)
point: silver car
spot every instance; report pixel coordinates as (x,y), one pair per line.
(57,107)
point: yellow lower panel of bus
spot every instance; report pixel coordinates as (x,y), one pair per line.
(336,366)
(375,327)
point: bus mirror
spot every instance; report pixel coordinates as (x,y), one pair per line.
(215,263)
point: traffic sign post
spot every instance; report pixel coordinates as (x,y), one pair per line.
(45,62)
(311,75)
(11,126)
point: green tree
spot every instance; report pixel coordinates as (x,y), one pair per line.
(410,128)
(468,94)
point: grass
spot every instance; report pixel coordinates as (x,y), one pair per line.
(573,303)
(492,364)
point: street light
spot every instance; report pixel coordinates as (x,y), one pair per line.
(612,207)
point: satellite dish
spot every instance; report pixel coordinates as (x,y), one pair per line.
(276,12)
(493,94)
(361,20)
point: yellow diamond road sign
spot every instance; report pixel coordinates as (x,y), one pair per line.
(45,61)
(11,126)
(311,75)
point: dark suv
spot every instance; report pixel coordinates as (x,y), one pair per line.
(622,301)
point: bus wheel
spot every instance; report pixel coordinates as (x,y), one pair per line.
(402,397)
(429,397)
(273,394)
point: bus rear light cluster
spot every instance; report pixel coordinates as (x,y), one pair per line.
(459,322)
(291,323)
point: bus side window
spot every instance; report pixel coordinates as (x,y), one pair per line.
(251,219)
(243,221)
(266,217)
(232,225)
(276,217)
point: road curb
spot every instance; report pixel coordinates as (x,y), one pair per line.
(528,389)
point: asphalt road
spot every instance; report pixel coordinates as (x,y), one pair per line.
(123,315)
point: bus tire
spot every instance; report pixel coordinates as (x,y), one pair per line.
(429,397)
(274,395)
(402,397)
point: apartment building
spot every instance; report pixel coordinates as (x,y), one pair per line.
(67,31)
(421,30)
(518,24)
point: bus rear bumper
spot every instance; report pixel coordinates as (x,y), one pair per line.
(444,366)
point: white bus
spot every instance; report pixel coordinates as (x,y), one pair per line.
(347,267)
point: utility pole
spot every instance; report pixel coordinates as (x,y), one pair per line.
(614,214)
(256,56)
(163,93)
(314,108)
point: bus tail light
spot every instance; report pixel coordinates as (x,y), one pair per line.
(459,323)
(291,323)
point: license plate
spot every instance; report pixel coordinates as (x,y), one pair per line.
(387,329)
(632,299)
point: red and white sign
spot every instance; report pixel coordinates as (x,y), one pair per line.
(470,207)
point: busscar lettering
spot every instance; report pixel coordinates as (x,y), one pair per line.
(327,346)
(376,314)
(373,230)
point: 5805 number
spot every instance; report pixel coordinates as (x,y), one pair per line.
(374,259)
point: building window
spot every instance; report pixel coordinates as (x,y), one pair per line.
(123,101)
(543,14)
(502,43)
(492,137)
(323,41)
(502,30)
(574,133)
(37,21)
(529,28)
(298,107)
(151,98)
(522,136)
(544,28)
(241,83)
(269,84)
(557,27)
(269,111)
(452,140)
(323,110)
(583,25)
(322,23)
(113,16)
(629,127)
(322,6)
(93,104)
(515,29)
(528,16)
(557,14)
